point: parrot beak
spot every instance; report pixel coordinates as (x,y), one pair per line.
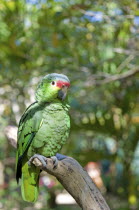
(63,92)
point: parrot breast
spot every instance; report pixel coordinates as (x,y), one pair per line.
(53,131)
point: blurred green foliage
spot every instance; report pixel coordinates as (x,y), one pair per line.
(96,44)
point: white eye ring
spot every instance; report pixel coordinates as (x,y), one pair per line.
(53,83)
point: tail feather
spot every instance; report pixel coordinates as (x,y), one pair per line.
(30,182)
(19,169)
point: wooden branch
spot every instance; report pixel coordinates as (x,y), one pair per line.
(126,51)
(77,182)
(119,77)
(111,78)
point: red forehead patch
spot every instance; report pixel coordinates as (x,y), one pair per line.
(60,84)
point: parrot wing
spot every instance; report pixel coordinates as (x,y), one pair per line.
(29,125)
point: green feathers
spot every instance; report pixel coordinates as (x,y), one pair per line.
(29,182)
(43,129)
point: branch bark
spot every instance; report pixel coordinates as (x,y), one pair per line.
(77,182)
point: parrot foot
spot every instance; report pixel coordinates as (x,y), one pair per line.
(56,158)
(41,158)
(55,161)
(60,156)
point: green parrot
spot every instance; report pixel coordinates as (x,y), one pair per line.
(43,129)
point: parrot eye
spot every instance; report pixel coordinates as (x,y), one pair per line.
(53,82)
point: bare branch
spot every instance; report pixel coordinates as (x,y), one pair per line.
(126,51)
(77,182)
(119,77)
(125,63)
(108,79)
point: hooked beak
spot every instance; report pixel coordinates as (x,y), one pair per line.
(63,92)
(63,85)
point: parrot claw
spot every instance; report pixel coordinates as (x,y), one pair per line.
(56,158)
(55,161)
(41,158)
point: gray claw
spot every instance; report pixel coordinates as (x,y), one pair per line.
(55,161)
(40,157)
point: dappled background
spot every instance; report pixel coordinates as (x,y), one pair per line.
(96,44)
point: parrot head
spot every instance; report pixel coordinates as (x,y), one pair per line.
(52,86)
